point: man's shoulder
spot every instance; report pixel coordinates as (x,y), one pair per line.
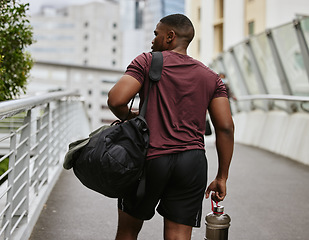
(207,70)
(142,59)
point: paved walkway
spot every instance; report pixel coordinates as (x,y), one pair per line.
(268,198)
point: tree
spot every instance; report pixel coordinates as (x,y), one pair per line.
(15,35)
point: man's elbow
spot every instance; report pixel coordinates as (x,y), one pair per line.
(111,104)
(227,129)
(114,103)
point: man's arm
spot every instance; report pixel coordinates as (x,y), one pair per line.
(219,111)
(121,94)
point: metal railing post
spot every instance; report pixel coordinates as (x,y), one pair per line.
(286,88)
(239,73)
(7,220)
(34,155)
(41,163)
(20,201)
(257,73)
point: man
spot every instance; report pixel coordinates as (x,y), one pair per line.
(176,166)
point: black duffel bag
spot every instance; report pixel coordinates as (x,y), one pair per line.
(111,160)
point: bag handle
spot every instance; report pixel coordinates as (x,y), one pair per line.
(154,76)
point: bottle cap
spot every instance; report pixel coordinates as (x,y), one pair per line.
(218,209)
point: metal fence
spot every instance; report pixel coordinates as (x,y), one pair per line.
(34,135)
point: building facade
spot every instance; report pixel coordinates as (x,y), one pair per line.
(224,23)
(155,10)
(87,35)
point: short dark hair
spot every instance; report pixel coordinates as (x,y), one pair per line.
(182,25)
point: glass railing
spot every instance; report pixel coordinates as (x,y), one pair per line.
(272,63)
(266,63)
(291,58)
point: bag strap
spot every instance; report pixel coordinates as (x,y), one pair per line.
(155,72)
(154,76)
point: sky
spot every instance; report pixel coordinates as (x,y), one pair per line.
(35,5)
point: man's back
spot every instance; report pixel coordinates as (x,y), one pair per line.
(178,103)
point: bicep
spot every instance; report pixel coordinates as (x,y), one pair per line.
(220,113)
(124,90)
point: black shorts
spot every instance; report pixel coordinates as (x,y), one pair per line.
(177,182)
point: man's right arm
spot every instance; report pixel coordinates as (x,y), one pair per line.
(219,111)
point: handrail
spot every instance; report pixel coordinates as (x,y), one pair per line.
(273,97)
(32,152)
(82,67)
(12,107)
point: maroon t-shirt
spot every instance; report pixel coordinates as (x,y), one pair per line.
(177,105)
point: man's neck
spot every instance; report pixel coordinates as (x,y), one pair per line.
(180,51)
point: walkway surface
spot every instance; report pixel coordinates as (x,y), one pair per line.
(268,198)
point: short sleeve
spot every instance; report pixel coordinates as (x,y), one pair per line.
(139,67)
(220,88)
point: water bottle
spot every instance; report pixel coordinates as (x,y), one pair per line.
(217,224)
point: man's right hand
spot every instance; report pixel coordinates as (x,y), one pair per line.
(218,187)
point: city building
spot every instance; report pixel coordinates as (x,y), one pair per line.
(132,29)
(86,48)
(87,34)
(154,10)
(221,24)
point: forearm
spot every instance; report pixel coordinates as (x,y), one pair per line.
(120,112)
(219,111)
(121,94)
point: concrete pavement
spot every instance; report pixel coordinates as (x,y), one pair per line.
(268,198)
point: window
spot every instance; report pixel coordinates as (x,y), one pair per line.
(114,50)
(115,25)
(86,24)
(114,37)
(114,62)
(218,26)
(89,91)
(85,49)
(103,107)
(85,62)
(251,28)
(86,36)
(219,6)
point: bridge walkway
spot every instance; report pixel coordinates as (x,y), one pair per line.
(268,198)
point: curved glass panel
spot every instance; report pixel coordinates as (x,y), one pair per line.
(235,82)
(305,27)
(245,64)
(304,23)
(231,75)
(290,54)
(266,63)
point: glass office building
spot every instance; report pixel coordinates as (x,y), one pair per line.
(172,6)
(156,9)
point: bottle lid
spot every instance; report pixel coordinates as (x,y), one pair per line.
(218,209)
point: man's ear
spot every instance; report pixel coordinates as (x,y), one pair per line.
(170,36)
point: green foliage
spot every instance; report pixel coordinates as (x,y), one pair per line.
(4,165)
(15,35)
